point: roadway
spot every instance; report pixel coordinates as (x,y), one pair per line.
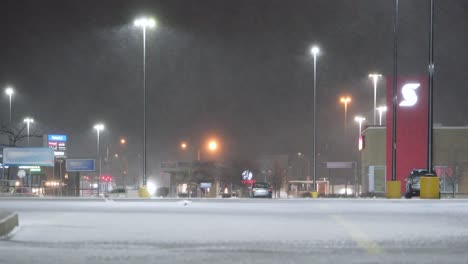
(237,231)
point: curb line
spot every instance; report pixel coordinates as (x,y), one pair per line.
(8,223)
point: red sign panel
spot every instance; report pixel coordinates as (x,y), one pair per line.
(411,128)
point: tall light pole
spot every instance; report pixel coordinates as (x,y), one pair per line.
(144,23)
(9,91)
(345,101)
(375,77)
(315,51)
(28,121)
(360,120)
(98,127)
(381,109)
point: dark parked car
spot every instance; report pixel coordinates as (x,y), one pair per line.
(261,189)
(413,183)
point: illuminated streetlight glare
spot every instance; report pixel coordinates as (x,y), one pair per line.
(123,141)
(381,109)
(360,120)
(183,145)
(9,91)
(375,77)
(345,101)
(99,127)
(314,50)
(213,145)
(145,22)
(28,121)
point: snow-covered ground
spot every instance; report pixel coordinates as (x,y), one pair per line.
(238,231)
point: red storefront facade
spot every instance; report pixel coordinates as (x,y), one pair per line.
(411,128)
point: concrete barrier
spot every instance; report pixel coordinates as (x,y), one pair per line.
(8,221)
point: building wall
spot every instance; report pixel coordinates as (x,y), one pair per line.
(373,153)
(450,149)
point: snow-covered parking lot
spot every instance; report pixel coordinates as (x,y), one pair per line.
(237,231)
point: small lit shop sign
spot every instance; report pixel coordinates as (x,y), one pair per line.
(58,143)
(60,138)
(31,168)
(361,142)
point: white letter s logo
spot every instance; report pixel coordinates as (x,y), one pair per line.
(409,94)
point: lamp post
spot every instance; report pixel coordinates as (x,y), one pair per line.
(144,23)
(381,109)
(375,77)
(360,120)
(315,51)
(28,121)
(345,101)
(98,127)
(212,146)
(9,91)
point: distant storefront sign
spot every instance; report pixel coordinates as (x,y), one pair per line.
(58,138)
(31,168)
(247,175)
(28,156)
(80,165)
(248,182)
(205,185)
(339,165)
(58,143)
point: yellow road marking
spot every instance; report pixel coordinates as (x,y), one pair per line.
(361,238)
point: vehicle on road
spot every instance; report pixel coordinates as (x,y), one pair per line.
(413,183)
(261,189)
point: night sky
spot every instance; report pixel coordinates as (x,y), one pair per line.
(238,70)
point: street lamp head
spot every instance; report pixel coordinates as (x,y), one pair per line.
(28,120)
(213,145)
(375,76)
(9,91)
(345,99)
(314,50)
(359,119)
(382,108)
(145,22)
(183,145)
(123,141)
(99,127)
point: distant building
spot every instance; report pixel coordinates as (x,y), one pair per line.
(450,159)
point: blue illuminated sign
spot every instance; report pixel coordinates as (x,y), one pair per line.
(80,165)
(61,138)
(28,156)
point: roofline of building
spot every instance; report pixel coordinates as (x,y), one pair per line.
(437,127)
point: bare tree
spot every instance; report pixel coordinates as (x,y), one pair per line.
(14,135)
(277,179)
